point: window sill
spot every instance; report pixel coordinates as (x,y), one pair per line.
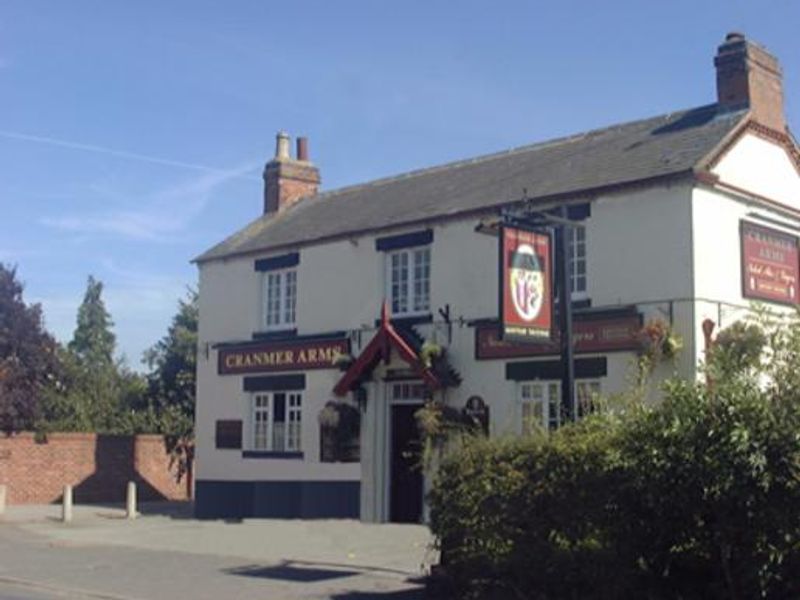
(275,334)
(272,454)
(409,319)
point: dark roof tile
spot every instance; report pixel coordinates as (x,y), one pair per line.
(636,151)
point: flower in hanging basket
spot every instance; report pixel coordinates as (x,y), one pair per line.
(429,351)
(329,415)
(342,360)
(659,340)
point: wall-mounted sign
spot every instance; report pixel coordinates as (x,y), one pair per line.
(287,355)
(477,413)
(770,264)
(613,334)
(526,285)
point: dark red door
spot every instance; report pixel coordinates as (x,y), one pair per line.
(405,487)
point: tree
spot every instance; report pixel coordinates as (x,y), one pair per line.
(171,381)
(173,362)
(93,341)
(94,397)
(28,362)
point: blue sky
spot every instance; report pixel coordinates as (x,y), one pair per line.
(133,134)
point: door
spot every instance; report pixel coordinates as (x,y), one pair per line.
(406,483)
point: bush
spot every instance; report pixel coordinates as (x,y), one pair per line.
(697,497)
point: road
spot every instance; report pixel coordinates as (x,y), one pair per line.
(158,558)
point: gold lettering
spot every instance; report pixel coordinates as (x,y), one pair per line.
(312,355)
(229,361)
(301,357)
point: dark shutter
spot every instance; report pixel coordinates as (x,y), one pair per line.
(229,434)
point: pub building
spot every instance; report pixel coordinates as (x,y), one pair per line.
(328,321)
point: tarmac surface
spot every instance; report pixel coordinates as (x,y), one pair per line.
(165,553)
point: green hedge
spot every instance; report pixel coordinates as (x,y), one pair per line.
(697,497)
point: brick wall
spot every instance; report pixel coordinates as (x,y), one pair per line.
(98,467)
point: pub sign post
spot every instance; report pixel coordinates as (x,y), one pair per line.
(528,278)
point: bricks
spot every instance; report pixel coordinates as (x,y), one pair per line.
(97,466)
(287,179)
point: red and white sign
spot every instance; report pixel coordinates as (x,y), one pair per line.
(526,284)
(770,264)
(613,334)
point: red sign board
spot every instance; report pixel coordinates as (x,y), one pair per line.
(596,335)
(526,285)
(289,355)
(770,264)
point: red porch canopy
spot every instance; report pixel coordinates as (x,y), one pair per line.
(380,347)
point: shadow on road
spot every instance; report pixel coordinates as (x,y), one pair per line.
(416,594)
(288,572)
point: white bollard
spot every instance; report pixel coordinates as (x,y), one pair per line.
(130,503)
(2,499)
(66,507)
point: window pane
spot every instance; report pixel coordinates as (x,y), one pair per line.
(399,282)
(260,422)
(293,425)
(290,297)
(422,274)
(553,405)
(273,305)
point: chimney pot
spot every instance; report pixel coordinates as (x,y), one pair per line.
(282,146)
(734,36)
(288,180)
(302,148)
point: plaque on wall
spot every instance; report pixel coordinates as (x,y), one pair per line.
(477,413)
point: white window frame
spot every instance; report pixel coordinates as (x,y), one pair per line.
(286,438)
(286,315)
(416,287)
(578,277)
(547,393)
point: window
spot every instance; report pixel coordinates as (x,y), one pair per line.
(577,262)
(280,299)
(541,405)
(586,392)
(409,281)
(408,392)
(540,402)
(277,421)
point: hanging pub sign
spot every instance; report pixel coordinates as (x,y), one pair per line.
(526,285)
(288,355)
(770,264)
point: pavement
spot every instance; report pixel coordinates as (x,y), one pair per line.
(164,553)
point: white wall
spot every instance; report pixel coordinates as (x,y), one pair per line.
(638,248)
(763,167)
(717,256)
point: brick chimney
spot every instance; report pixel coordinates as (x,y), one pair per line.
(748,75)
(287,179)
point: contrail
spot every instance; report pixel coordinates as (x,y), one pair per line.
(38,139)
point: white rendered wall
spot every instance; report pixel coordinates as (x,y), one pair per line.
(758,165)
(717,256)
(638,249)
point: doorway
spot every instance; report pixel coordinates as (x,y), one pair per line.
(406,481)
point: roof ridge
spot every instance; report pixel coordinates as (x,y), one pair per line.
(497,155)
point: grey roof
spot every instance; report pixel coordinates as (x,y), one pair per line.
(655,147)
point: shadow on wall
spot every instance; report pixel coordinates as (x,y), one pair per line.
(115,465)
